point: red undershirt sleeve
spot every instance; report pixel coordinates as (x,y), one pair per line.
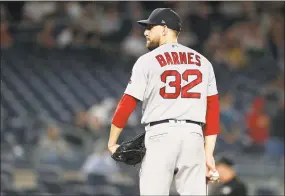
(212,116)
(124,109)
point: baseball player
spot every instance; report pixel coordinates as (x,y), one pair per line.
(177,87)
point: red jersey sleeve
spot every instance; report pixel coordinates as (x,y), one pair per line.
(124,109)
(212,115)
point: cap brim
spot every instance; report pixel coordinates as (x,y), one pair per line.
(145,22)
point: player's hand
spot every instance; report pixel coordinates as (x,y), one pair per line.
(214,177)
(113,148)
(211,174)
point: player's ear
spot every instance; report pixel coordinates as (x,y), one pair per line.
(165,30)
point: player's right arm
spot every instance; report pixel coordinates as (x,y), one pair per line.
(212,120)
(134,92)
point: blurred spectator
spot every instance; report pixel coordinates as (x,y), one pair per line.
(134,44)
(74,10)
(220,57)
(212,46)
(79,38)
(253,40)
(99,115)
(93,40)
(100,161)
(5,16)
(110,22)
(60,14)
(135,11)
(258,123)
(231,9)
(231,135)
(96,118)
(6,38)
(235,55)
(15,10)
(88,20)
(274,94)
(34,11)
(276,38)
(65,37)
(275,145)
(52,147)
(81,119)
(46,37)
(89,122)
(249,10)
(200,22)
(183,8)
(230,184)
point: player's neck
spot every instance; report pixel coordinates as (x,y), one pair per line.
(168,40)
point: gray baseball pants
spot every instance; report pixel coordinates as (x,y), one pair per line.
(175,151)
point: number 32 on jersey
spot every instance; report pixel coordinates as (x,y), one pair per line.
(179,90)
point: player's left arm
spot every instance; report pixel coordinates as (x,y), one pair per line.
(211,128)
(133,93)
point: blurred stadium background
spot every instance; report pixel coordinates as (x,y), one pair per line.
(64,65)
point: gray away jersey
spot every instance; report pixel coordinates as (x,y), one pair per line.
(173,82)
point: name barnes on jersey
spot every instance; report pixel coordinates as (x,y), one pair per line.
(176,58)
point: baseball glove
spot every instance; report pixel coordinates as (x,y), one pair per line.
(131,152)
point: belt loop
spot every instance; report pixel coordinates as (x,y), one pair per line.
(147,127)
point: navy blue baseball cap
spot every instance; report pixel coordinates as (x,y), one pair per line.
(163,16)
